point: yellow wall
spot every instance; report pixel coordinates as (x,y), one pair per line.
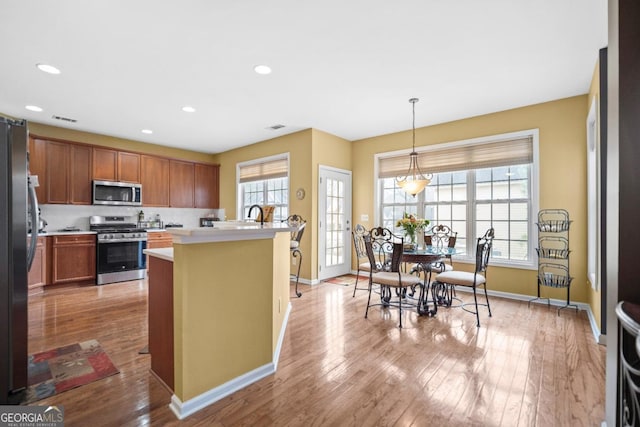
(563,179)
(593,296)
(328,150)
(118,143)
(225,325)
(298,145)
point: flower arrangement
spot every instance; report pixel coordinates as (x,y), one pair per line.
(410,223)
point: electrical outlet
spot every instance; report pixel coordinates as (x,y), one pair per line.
(294,260)
(364,217)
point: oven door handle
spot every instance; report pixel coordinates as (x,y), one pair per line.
(121,241)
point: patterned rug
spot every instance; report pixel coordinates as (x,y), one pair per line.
(64,368)
(347,280)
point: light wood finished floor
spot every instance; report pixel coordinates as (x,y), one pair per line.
(524,366)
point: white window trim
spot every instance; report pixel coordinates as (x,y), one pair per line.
(593,212)
(256,161)
(532,264)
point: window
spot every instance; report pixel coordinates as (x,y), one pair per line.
(476,185)
(264,182)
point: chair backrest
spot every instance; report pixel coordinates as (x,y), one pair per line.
(296,220)
(483,251)
(441,236)
(387,247)
(358,242)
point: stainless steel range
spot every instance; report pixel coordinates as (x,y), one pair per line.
(119,254)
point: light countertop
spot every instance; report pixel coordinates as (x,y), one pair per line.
(162,253)
(225,231)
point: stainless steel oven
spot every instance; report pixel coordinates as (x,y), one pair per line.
(120,246)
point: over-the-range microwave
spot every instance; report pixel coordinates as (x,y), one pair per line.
(117,193)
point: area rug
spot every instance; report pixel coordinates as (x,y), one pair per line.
(346,280)
(64,368)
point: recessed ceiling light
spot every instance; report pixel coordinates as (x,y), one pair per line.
(33,108)
(48,68)
(147,131)
(262,69)
(188,109)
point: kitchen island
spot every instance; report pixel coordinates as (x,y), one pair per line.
(224,293)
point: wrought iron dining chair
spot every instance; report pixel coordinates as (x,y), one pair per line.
(382,244)
(358,234)
(470,279)
(299,225)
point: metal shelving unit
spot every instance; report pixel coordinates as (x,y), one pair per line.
(553,253)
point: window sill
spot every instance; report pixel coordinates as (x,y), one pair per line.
(500,263)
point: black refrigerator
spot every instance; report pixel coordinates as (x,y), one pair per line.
(18,208)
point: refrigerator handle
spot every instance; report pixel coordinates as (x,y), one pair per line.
(35,220)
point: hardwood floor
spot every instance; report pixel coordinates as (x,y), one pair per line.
(524,366)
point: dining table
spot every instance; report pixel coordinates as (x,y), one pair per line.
(424,257)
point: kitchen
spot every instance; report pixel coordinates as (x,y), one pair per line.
(165,192)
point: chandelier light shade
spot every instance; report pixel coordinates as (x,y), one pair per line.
(414,181)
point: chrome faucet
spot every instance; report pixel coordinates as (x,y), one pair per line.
(261,214)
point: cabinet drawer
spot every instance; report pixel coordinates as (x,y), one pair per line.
(72,239)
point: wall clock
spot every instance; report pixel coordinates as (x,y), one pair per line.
(300,193)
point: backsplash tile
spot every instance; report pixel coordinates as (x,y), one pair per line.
(61,216)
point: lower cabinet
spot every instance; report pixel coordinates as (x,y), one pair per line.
(38,274)
(73,258)
(158,239)
(161,319)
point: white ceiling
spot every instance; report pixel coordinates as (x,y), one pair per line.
(346,67)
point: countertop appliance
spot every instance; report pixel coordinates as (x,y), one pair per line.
(119,247)
(117,193)
(17,200)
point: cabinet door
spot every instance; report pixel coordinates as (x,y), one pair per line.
(154,177)
(206,186)
(128,167)
(74,258)
(38,165)
(181,184)
(38,273)
(105,166)
(57,172)
(80,175)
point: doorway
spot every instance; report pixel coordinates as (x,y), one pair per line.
(334,222)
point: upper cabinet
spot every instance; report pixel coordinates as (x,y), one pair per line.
(112,165)
(207,194)
(181,184)
(65,171)
(154,178)
(38,165)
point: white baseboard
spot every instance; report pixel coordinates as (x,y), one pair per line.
(191,406)
(302,281)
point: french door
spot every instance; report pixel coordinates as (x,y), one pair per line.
(334,222)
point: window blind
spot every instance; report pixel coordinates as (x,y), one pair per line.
(276,168)
(512,151)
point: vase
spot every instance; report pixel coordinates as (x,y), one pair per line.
(410,237)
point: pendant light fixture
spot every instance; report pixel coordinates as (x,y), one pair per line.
(414,181)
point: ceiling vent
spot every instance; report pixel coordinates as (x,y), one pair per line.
(275,127)
(64,119)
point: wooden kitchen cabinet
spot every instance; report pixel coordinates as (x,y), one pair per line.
(113,165)
(105,164)
(80,175)
(154,177)
(73,258)
(128,167)
(37,277)
(68,174)
(158,239)
(181,184)
(37,165)
(160,319)
(207,186)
